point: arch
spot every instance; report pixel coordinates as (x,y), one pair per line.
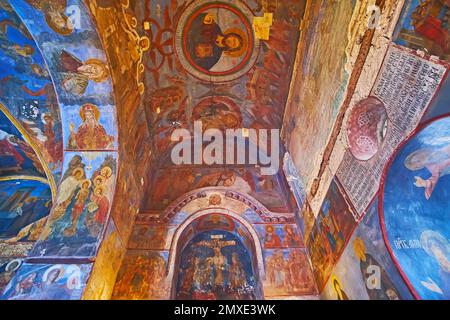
(175,249)
(73,100)
(229,193)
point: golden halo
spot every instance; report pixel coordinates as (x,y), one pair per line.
(65,31)
(101,189)
(99,180)
(108,171)
(105,70)
(85,181)
(244,47)
(93,108)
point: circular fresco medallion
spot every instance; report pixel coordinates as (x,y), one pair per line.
(366,129)
(218,112)
(414,210)
(215,41)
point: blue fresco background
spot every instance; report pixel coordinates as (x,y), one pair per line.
(14,194)
(408,214)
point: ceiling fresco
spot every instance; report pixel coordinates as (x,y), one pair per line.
(271,191)
(27,90)
(206,63)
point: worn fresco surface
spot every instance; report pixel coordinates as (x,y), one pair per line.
(424,25)
(365,270)
(414,210)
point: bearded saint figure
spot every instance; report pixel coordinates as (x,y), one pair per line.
(77,74)
(91,135)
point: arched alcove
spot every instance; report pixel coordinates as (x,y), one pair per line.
(217,258)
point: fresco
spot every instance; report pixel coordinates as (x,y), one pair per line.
(107,264)
(22,203)
(269,190)
(365,270)
(8,268)
(414,210)
(320,82)
(288,273)
(78,67)
(205,60)
(82,206)
(215,41)
(47,282)
(424,25)
(215,265)
(27,89)
(142,276)
(332,229)
(151,237)
(17,157)
(367,128)
(280,236)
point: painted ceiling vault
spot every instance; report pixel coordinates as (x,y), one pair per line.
(94,206)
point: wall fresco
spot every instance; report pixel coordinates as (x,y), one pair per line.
(142,276)
(365,270)
(288,273)
(47,282)
(22,204)
(82,207)
(79,69)
(332,229)
(17,157)
(320,82)
(27,89)
(424,25)
(216,266)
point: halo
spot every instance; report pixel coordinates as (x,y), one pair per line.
(84,181)
(93,107)
(421,153)
(99,178)
(105,70)
(58,267)
(244,46)
(108,169)
(13,265)
(74,172)
(100,188)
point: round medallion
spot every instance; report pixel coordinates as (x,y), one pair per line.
(367,127)
(215,41)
